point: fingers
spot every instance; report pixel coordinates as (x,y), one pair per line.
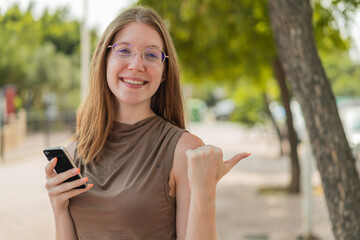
(60,191)
(75,192)
(61,177)
(55,183)
(67,188)
(206,150)
(189,153)
(60,195)
(49,168)
(229,164)
(57,179)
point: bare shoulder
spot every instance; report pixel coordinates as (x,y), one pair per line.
(187,141)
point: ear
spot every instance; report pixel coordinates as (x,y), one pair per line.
(163,78)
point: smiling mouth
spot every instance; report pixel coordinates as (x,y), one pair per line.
(133,82)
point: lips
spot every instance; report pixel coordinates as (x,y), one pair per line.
(136,82)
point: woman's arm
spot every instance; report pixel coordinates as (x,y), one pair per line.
(64,226)
(59,194)
(197,169)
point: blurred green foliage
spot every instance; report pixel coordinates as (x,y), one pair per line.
(226,44)
(230,44)
(343,73)
(216,40)
(41,56)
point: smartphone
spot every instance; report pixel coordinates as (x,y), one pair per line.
(64,162)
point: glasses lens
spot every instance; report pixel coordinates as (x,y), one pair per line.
(123,51)
(153,55)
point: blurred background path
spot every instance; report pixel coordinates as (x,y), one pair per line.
(243,212)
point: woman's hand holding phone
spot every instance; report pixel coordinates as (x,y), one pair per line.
(59,191)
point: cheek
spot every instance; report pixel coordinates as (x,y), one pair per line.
(158,74)
(110,66)
(112,70)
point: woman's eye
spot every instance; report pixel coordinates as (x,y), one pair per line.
(151,55)
(124,51)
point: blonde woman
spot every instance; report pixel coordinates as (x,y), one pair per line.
(149,178)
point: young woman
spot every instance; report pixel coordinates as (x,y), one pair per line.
(150,178)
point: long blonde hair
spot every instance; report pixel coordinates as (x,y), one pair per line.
(96,113)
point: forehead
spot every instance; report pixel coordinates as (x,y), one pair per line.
(139,34)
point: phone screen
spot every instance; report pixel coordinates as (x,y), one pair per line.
(64,162)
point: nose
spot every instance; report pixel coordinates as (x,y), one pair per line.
(136,63)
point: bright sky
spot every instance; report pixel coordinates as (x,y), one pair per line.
(100,12)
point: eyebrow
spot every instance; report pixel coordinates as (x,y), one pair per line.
(140,48)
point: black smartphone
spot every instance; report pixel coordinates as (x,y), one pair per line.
(64,162)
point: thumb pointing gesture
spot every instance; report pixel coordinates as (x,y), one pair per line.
(206,166)
(229,164)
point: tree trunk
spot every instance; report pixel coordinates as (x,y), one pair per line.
(294,186)
(266,105)
(292,26)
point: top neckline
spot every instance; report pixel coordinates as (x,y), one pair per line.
(128,126)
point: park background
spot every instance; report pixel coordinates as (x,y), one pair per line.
(233,98)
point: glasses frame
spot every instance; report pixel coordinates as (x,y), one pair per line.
(135,52)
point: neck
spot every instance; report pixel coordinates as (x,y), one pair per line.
(131,115)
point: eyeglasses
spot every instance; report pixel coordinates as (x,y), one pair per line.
(152,56)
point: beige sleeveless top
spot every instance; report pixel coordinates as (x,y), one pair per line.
(130,198)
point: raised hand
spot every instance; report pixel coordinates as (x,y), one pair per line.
(206,167)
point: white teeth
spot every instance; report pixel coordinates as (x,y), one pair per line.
(133,81)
